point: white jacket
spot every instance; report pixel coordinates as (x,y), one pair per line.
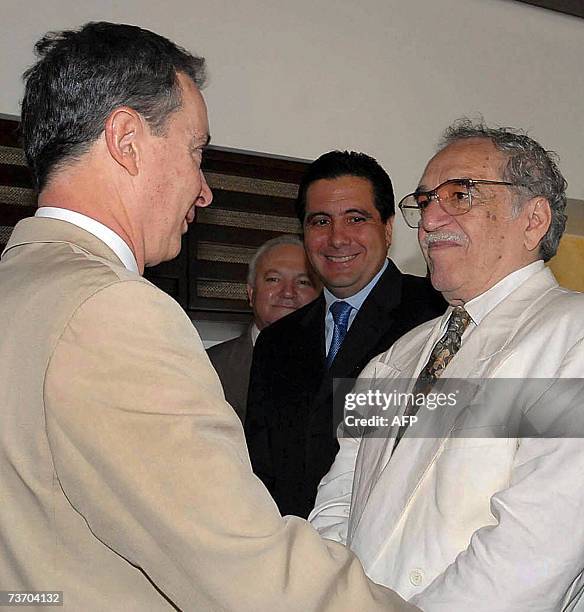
(456,522)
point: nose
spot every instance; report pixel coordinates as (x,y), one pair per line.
(339,234)
(434,217)
(288,288)
(206,195)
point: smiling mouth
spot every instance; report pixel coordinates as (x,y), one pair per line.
(340,258)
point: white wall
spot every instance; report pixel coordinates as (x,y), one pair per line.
(384,76)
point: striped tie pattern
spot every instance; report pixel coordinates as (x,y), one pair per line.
(341,312)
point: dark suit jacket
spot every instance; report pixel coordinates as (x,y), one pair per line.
(290,425)
(232,360)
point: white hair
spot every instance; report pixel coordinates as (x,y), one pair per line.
(268,246)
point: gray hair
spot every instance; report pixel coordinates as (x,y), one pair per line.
(83,75)
(268,246)
(529,166)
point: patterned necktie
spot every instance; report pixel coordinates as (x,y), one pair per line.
(443,351)
(341,312)
(441,355)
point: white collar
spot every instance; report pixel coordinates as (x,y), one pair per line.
(97,229)
(356,300)
(480,306)
(254,332)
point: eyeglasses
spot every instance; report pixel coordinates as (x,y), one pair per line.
(453,196)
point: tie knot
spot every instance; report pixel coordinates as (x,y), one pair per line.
(459,320)
(341,312)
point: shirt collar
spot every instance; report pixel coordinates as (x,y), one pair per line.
(356,300)
(480,306)
(254,332)
(97,229)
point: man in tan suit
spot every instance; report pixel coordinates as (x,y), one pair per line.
(125,479)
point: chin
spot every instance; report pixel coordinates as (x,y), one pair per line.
(439,281)
(447,286)
(340,280)
(280,311)
(172,251)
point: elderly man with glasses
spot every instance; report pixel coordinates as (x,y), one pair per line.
(474,503)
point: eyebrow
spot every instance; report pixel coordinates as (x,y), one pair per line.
(360,211)
(422,188)
(316,214)
(348,211)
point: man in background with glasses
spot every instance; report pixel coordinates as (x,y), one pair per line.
(451,518)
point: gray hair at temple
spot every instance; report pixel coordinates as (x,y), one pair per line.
(529,165)
(268,246)
(83,75)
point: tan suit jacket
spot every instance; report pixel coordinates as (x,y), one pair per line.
(124,475)
(458,518)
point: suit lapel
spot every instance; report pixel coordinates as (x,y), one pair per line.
(370,323)
(376,452)
(312,325)
(245,349)
(302,359)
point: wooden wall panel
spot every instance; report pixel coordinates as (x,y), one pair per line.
(17,198)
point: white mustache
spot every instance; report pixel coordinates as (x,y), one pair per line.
(443,237)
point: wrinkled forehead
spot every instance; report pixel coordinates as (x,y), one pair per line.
(475,158)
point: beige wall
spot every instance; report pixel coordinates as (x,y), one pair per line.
(385,76)
(568,264)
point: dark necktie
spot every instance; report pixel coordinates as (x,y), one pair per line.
(341,312)
(441,355)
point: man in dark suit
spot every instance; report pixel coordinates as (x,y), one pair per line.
(279,281)
(346,205)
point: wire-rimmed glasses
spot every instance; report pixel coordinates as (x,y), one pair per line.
(453,196)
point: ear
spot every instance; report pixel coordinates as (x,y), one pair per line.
(249,290)
(389,230)
(539,217)
(123,129)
